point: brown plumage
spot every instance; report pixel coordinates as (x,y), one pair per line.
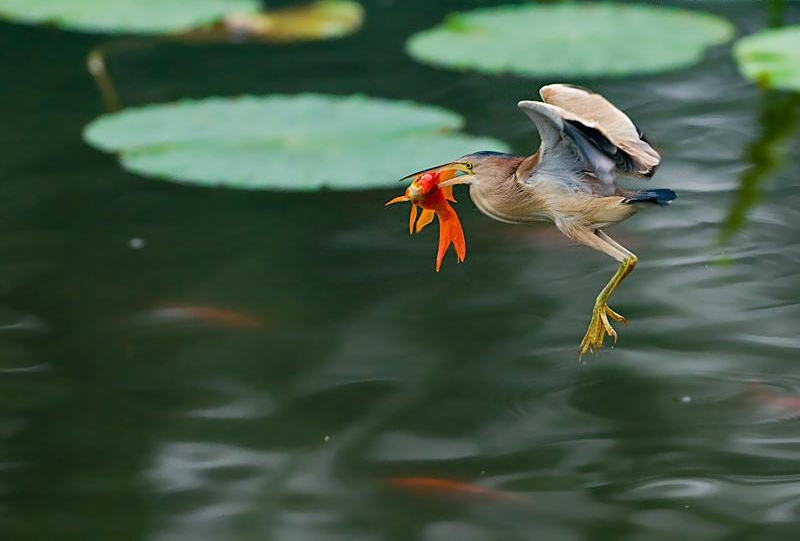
(594,111)
(586,143)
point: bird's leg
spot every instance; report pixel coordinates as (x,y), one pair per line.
(600,326)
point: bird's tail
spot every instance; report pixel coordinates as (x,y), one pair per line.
(660,196)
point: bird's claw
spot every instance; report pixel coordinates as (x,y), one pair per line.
(599,327)
(615,316)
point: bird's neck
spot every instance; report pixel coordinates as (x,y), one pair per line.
(503,195)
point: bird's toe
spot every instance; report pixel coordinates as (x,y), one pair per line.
(615,316)
(599,327)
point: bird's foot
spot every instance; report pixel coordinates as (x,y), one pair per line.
(599,327)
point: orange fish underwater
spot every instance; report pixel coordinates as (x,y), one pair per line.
(426,191)
(450,487)
(209,315)
(790,405)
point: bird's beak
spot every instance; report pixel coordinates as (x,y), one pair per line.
(448,172)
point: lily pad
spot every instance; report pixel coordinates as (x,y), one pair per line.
(302,142)
(571,39)
(125,16)
(322,19)
(771,57)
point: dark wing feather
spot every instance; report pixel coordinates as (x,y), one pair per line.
(610,130)
(568,153)
(623,162)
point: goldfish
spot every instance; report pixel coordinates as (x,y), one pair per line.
(450,487)
(424,192)
(789,405)
(210,315)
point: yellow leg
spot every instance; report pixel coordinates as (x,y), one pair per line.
(599,326)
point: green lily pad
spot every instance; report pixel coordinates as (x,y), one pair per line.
(320,19)
(125,16)
(571,39)
(302,142)
(771,57)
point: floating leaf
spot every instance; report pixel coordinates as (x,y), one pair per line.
(571,39)
(323,19)
(209,20)
(125,16)
(301,142)
(771,57)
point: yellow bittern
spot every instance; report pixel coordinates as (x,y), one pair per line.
(586,143)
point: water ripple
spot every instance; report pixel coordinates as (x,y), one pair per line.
(191,465)
(240,402)
(398,446)
(673,488)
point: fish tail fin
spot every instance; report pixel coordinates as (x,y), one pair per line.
(450,232)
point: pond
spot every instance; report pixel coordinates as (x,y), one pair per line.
(182,363)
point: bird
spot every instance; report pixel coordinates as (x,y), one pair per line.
(570,181)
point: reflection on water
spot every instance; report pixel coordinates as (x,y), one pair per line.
(778,120)
(365,364)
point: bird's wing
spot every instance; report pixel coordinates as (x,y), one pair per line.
(567,154)
(606,126)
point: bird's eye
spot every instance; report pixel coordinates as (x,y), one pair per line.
(468,165)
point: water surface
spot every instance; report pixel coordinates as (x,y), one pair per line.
(363,364)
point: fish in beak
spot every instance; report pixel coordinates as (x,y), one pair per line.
(432,191)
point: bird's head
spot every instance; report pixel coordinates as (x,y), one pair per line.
(440,176)
(478,167)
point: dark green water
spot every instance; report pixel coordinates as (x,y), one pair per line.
(368,365)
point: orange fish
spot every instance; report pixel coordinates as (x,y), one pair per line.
(425,192)
(788,404)
(184,313)
(450,487)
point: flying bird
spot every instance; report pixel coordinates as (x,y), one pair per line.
(570,181)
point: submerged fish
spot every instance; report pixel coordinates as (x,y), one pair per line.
(208,315)
(433,486)
(789,405)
